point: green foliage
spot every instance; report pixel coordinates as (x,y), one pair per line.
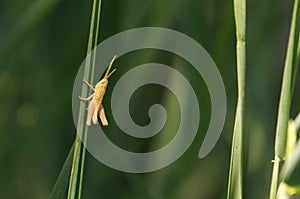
(288,82)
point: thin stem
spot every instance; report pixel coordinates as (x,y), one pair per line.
(79,151)
(235,182)
(82,166)
(74,170)
(275,175)
(93,45)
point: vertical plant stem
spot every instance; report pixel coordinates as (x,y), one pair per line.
(74,170)
(275,175)
(289,76)
(79,151)
(82,166)
(235,185)
(94,44)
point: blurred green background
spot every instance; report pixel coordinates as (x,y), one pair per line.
(43,43)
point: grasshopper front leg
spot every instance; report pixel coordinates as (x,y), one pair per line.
(89,85)
(88,98)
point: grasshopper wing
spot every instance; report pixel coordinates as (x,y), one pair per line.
(91,110)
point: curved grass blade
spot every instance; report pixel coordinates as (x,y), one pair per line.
(288,82)
(60,187)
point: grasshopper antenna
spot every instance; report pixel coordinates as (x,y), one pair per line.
(110,73)
(107,74)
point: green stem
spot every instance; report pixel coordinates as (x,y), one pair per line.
(82,166)
(94,43)
(235,183)
(289,77)
(74,170)
(79,151)
(275,175)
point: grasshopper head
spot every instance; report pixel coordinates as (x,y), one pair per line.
(103,81)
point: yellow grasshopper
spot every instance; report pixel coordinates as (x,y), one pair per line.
(95,106)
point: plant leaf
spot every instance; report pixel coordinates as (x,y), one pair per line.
(288,82)
(59,189)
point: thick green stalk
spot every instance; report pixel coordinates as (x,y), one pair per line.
(290,70)
(235,185)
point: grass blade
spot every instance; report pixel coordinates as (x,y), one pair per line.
(288,82)
(289,77)
(75,168)
(61,184)
(236,163)
(93,40)
(80,151)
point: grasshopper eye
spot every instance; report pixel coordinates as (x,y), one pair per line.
(103,82)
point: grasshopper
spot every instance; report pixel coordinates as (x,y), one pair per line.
(95,106)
